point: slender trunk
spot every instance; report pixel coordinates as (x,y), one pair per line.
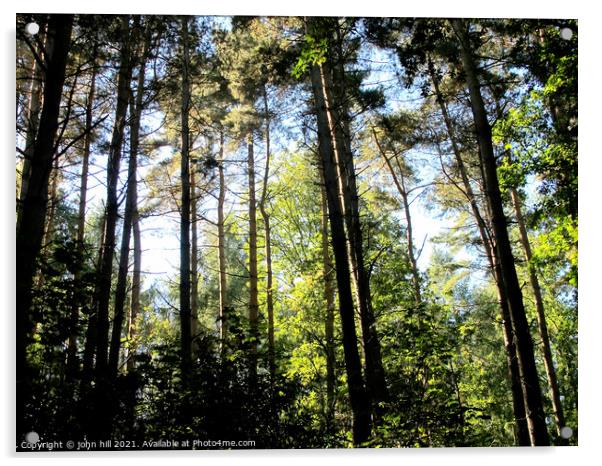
(31,228)
(518,404)
(135,300)
(339,126)
(92,327)
(329,296)
(268,245)
(401,189)
(185,337)
(32,121)
(101,427)
(253,292)
(541,316)
(526,359)
(72,361)
(358,397)
(194,265)
(128,217)
(115,151)
(52,202)
(221,247)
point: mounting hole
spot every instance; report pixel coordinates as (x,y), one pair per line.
(566,432)
(32,28)
(566,33)
(32,437)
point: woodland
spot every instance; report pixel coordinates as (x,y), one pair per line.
(295,232)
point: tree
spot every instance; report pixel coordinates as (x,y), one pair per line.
(357,392)
(31,227)
(131,201)
(530,382)
(185,314)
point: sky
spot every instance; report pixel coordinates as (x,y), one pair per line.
(160,233)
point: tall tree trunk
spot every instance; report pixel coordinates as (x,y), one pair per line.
(541,316)
(358,397)
(253,279)
(52,203)
(92,328)
(329,296)
(72,361)
(518,404)
(32,120)
(185,336)
(115,151)
(101,426)
(128,217)
(194,265)
(221,248)
(31,228)
(526,359)
(339,127)
(135,300)
(268,245)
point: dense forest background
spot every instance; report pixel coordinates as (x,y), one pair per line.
(287,232)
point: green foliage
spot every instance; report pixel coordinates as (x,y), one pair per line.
(313,52)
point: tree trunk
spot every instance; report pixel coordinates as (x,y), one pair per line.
(72,362)
(135,300)
(115,151)
(526,359)
(329,296)
(194,265)
(518,404)
(32,119)
(31,228)
(339,127)
(92,328)
(131,202)
(253,281)
(360,404)
(541,316)
(52,202)
(221,247)
(185,337)
(268,246)
(101,427)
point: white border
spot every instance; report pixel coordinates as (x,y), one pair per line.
(589,198)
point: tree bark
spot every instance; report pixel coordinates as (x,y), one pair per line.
(221,247)
(268,245)
(33,118)
(339,126)
(131,202)
(135,300)
(526,359)
(185,336)
(101,427)
(329,296)
(541,316)
(92,328)
(359,400)
(518,404)
(115,151)
(253,279)
(194,265)
(31,228)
